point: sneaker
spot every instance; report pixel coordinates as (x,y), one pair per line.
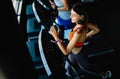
(106,75)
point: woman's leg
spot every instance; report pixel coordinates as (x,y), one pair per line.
(69,66)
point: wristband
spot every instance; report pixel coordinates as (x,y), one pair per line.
(59,41)
(56,41)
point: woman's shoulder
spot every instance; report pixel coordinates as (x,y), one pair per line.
(77,28)
(81,28)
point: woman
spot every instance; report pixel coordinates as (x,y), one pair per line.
(75,48)
(63,18)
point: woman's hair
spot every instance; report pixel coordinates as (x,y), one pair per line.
(80,10)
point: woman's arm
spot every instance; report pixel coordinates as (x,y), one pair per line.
(66,5)
(65,50)
(52,3)
(93,29)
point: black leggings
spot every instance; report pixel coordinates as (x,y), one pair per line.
(80,63)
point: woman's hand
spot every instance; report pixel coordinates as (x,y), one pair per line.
(54,32)
(53,6)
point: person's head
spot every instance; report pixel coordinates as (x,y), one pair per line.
(78,14)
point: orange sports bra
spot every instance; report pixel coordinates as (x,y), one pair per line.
(79,44)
